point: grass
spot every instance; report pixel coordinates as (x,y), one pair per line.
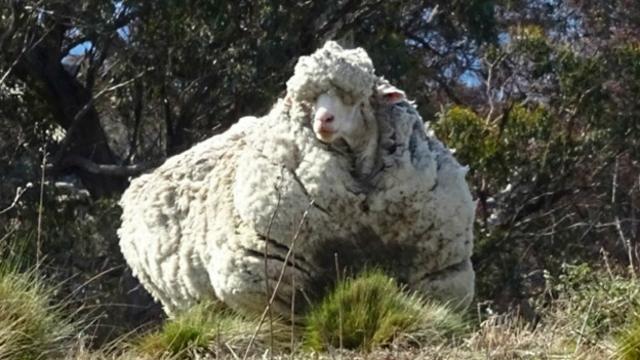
(595,304)
(207,328)
(371,311)
(31,325)
(629,342)
(365,317)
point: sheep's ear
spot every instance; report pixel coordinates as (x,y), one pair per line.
(391,94)
(394,97)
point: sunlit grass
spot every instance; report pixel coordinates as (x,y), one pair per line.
(31,325)
(372,310)
(205,329)
(629,342)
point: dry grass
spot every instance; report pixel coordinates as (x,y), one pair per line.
(31,325)
(370,314)
(207,330)
(498,337)
(629,341)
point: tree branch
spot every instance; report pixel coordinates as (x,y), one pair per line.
(19,192)
(13,26)
(80,114)
(106,169)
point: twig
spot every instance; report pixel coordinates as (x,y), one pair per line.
(6,236)
(280,277)
(266,256)
(605,258)
(13,65)
(40,209)
(584,325)
(337,264)
(24,50)
(293,304)
(90,280)
(614,185)
(106,169)
(432,14)
(19,192)
(626,243)
(233,353)
(492,66)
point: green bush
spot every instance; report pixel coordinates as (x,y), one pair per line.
(372,310)
(517,141)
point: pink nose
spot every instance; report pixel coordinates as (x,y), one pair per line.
(325,117)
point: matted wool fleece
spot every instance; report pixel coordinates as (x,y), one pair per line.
(197,226)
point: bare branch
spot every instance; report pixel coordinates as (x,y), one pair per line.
(280,277)
(19,192)
(85,109)
(106,169)
(24,50)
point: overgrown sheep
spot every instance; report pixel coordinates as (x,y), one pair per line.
(341,174)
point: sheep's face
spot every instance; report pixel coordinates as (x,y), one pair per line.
(336,116)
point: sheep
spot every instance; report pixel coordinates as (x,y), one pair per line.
(220,219)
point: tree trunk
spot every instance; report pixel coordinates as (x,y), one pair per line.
(66,97)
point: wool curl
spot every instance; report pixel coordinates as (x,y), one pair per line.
(350,72)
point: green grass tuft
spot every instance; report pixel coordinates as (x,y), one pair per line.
(194,329)
(372,310)
(629,343)
(200,329)
(31,325)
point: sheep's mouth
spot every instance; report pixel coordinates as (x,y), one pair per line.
(325,135)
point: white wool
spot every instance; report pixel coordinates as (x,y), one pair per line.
(348,71)
(197,226)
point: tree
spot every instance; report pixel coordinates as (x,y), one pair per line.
(166,76)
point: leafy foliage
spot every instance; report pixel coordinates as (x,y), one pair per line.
(502,147)
(552,148)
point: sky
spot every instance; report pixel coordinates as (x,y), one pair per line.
(81,48)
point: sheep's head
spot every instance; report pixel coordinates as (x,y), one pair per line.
(338,115)
(340,86)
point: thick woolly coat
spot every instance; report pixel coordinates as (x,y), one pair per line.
(218,220)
